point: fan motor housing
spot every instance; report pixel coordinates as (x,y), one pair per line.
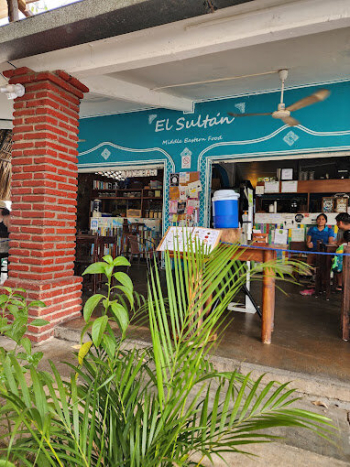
(282,113)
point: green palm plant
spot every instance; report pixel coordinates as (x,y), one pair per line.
(164,405)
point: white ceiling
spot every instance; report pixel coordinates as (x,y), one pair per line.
(310,59)
(311,38)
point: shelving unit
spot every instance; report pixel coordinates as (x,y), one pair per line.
(311,190)
(140,203)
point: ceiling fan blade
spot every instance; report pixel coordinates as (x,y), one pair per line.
(317,96)
(249,115)
(290,121)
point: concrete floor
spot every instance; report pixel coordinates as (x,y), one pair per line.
(306,338)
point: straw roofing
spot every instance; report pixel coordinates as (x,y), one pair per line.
(5,163)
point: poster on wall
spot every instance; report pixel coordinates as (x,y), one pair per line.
(185,188)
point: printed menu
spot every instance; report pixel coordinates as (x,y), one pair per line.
(177,238)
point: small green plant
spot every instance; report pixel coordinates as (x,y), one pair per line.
(161,406)
(14,321)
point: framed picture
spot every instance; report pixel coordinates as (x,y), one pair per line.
(327,204)
(341,205)
(287,174)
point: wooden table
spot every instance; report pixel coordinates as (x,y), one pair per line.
(261,255)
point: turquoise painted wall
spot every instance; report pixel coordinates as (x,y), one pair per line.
(209,134)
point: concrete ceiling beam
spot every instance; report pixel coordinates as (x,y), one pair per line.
(123,90)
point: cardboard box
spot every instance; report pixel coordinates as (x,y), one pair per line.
(133,213)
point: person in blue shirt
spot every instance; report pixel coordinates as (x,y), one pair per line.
(319,232)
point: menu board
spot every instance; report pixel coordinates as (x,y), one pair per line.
(185,188)
(178,238)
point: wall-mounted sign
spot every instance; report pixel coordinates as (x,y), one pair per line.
(299,218)
(186,158)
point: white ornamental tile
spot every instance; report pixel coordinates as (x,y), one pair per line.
(105,154)
(241,107)
(151,118)
(291,138)
(186,152)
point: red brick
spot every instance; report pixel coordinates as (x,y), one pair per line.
(46,126)
(17,169)
(44,119)
(20,190)
(19,267)
(19,252)
(18,221)
(61,82)
(22,128)
(21,160)
(48,86)
(24,112)
(40,135)
(74,81)
(18,105)
(60,99)
(25,145)
(27,96)
(18,71)
(54,113)
(22,176)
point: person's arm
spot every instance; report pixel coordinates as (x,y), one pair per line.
(309,243)
(331,237)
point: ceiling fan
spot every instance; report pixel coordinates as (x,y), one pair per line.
(284,113)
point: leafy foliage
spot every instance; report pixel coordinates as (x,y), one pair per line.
(156,406)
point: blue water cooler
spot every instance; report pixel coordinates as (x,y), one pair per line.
(225,209)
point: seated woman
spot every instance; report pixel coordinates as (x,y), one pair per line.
(319,232)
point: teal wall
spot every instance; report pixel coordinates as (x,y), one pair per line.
(209,134)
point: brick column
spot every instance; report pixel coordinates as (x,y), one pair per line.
(44,191)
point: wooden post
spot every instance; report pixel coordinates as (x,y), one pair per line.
(13,12)
(345,306)
(268,300)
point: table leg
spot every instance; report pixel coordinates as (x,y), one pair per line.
(319,276)
(328,276)
(268,300)
(345,306)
